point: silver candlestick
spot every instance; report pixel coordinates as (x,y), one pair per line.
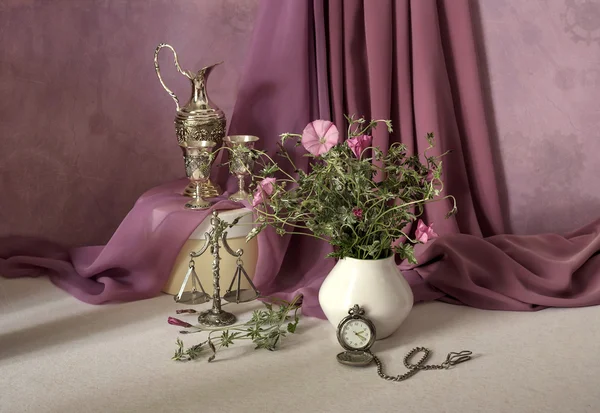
(216,317)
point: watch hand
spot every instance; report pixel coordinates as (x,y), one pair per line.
(359,335)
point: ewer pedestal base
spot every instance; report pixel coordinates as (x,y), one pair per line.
(207,190)
(198,204)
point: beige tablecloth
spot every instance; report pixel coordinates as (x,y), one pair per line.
(60,355)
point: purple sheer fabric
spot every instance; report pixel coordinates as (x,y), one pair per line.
(134,265)
(321,61)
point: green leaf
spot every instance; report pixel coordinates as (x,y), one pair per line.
(179,353)
(227,338)
(406,252)
(430,138)
(291,327)
(194,352)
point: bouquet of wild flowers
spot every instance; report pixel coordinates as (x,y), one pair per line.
(357,197)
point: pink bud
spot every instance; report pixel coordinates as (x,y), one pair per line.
(265,187)
(359,143)
(424,233)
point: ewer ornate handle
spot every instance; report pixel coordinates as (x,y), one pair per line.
(160,46)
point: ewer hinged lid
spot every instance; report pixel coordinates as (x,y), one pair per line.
(199,118)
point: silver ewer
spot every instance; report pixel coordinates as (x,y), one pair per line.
(198,157)
(197,120)
(241,162)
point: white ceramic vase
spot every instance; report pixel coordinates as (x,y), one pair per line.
(376,285)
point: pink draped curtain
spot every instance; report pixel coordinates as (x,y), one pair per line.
(414,62)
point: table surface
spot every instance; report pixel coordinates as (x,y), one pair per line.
(60,355)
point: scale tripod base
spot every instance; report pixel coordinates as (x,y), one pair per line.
(210,318)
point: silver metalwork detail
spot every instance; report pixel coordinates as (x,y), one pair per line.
(192,130)
(356,313)
(198,120)
(360,357)
(216,317)
(198,157)
(452,360)
(241,162)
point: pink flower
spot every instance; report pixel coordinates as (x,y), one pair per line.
(424,233)
(320,136)
(359,143)
(258,199)
(177,322)
(265,187)
(358,213)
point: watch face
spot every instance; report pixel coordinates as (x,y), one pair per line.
(356,334)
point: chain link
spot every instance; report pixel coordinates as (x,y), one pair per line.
(451,360)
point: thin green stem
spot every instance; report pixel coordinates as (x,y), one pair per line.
(309,235)
(275,163)
(287,155)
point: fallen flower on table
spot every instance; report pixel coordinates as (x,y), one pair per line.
(186,311)
(265,329)
(177,322)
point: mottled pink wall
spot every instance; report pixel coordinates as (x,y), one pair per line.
(543,59)
(85,126)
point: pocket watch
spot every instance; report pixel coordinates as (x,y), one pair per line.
(356,334)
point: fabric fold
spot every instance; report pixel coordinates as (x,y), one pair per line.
(136,262)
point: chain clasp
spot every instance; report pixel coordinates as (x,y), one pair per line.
(456,358)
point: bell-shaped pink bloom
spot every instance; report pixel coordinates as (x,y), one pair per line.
(265,187)
(320,136)
(359,143)
(424,233)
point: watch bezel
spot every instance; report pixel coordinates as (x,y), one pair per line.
(356,313)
